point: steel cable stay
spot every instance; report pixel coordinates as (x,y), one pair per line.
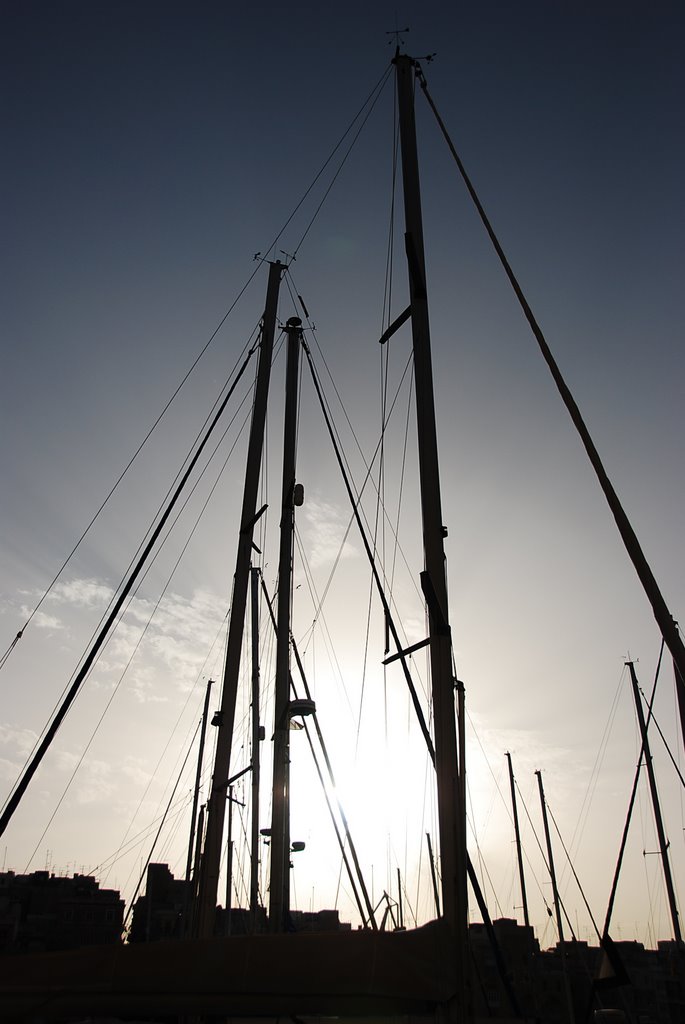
(481,862)
(574,873)
(319,603)
(371,102)
(136,554)
(368,463)
(159,830)
(200,675)
(127,467)
(321,618)
(548,866)
(587,798)
(358,517)
(401,655)
(384,360)
(665,621)
(542,853)
(156,606)
(360,490)
(131,598)
(140,837)
(366,914)
(372,98)
(663,738)
(631,801)
(604,941)
(583,814)
(73,689)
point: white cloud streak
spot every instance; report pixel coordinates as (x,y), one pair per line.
(326,527)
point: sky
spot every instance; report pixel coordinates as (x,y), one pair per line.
(150,150)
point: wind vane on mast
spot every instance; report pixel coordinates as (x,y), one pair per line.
(397,33)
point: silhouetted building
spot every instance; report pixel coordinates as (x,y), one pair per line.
(318,921)
(159,913)
(518,950)
(43,911)
(654,992)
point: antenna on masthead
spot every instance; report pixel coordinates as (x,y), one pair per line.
(398,40)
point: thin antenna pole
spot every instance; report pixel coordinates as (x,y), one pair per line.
(399,898)
(658,820)
(256,738)
(198,777)
(518,841)
(557,904)
(680,690)
(279,889)
(229,861)
(367,917)
(196,798)
(431,861)
(209,880)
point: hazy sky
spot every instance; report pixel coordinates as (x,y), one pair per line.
(150,149)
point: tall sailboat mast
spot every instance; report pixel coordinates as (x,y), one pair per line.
(449,761)
(279,889)
(211,859)
(256,739)
(557,902)
(517,833)
(658,820)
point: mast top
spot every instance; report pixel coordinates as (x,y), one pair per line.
(399,41)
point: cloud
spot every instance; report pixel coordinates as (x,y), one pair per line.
(19,741)
(8,770)
(178,638)
(84,593)
(16,746)
(160,647)
(43,621)
(96,780)
(326,527)
(133,769)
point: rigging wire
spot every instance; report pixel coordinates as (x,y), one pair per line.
(320,601)
(128,465)
(664,740)
(355,508)
(662,615)
(539,845)
(318,604)
(570,863)
(159,830)
(378,90)
(136,840)
(24,780)
(631,802)
(141,545)
(384,357)
(343,817)
(156,606)
(368,465)
(481,862)
(584,813)
(371,99)
(200,675)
